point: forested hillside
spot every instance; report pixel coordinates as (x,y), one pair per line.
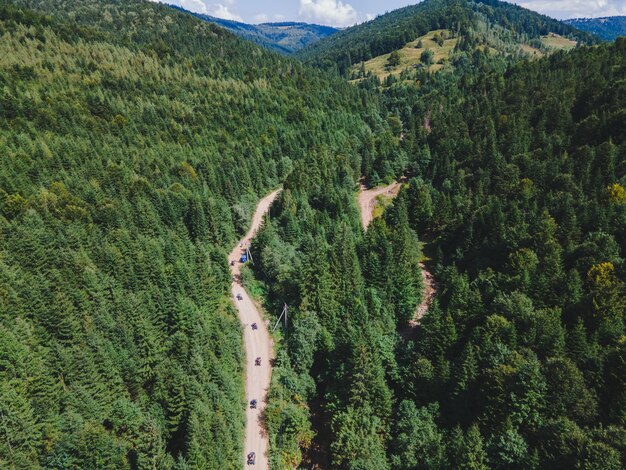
(520,364)
(518,181)
(348,293)
(485,23)
(608,28)
(286,37)
(135,141)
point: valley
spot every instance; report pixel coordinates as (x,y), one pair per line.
(439,280)
(284,38)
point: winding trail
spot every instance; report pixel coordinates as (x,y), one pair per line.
(257,343)
(367,204)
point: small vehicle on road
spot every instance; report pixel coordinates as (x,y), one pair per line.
(253,404)
(239,297)
(255,326)
(251,458)
(257,361)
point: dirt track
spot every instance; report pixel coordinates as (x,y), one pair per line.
(367,204)
(367,200)
(257,343)
(430,289)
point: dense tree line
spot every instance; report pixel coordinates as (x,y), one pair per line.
(520,363)
(135,141)
(520,180)
(348,293)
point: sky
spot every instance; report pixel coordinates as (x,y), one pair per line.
(343,13)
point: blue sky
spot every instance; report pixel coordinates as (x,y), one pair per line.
(348,12)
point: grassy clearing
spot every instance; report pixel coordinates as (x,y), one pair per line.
(382,202)
(410,55)
(531,51)
(554,41)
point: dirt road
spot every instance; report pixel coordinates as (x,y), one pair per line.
(257,343)
(367,204)
(367,200)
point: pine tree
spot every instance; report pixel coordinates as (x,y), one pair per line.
(474,456)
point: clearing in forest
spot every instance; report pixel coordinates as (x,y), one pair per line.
(441,44)
(370,201)
(410,55)
(556,42)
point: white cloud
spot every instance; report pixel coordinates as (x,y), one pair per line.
(333,12)
(563,9)
(194,5)
(261,18)
(221,11)
(265,18)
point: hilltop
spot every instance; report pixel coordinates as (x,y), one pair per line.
(487,25)
(446,50)
(608,28)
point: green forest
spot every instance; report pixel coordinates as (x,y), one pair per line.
(136,141)
(520,362)
(128,168)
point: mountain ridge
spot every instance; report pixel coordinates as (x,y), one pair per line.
(607,28)
(285,37)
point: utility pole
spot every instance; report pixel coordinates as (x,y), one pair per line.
(283,313)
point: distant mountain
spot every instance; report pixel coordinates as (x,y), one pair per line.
(487,24)
(607,28)
(286,38)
